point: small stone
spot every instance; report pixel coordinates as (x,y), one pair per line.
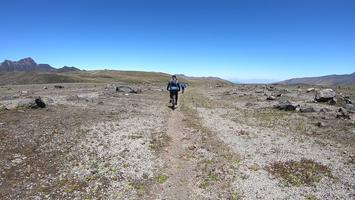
(24,92)
(310,90)
(40,103)
(286,105)
(320,124)
(343,113)
(58,86)
(270,98)
(333,101)
(192,147)
(350,108)
(2,108)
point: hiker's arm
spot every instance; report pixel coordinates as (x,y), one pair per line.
(178,86)
(167,88)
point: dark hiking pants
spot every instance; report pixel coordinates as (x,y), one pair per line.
(172,93)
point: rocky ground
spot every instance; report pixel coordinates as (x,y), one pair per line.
(110,141)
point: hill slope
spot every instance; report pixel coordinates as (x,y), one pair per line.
(346,79)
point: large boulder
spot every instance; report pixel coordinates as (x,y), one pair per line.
(325,95)
(286,105)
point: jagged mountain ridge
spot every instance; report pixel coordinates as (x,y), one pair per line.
(29,65)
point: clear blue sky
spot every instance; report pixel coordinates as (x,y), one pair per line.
(249,39)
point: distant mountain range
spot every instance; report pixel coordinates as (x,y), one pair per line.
(29,65)
(346,79)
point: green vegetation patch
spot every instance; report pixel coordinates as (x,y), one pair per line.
(310,197)
(299,173)
(161,178)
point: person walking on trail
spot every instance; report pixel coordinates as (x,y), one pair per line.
(183,87)
(174,88)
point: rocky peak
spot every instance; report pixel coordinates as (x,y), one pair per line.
(27,61)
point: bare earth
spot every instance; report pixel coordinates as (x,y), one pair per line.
(222,142)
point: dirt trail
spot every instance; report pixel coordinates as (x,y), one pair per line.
(179,169)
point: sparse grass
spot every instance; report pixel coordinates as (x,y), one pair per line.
(161,178)
(71,186)
(139,187)
(310,197)
(210,178)
(159,141)
(299,173)
(235,196)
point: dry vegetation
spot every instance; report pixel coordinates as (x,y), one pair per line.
(223,142)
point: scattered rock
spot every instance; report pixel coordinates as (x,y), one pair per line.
(40,103)
(259,91)
(248,104)
(27,103)
(276,94)
(271,88)
(352,158)
(270,98)
(325,95)
(283,91)
(138,91)
(127,89)
(100,103)
(45,87)
(286,105)
(324,110)
(31,104)
(350,108)
(348,100)
(343,113)
(192,147)
(333,101)
(58,86)
(2,108)
(24,92)
(48,100)
(353,117)
(310,90)
(307,109)
(320,124)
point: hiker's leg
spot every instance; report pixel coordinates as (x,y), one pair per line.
(177,95)
(171,96)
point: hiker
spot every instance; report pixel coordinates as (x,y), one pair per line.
(183,87)
(174,88)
